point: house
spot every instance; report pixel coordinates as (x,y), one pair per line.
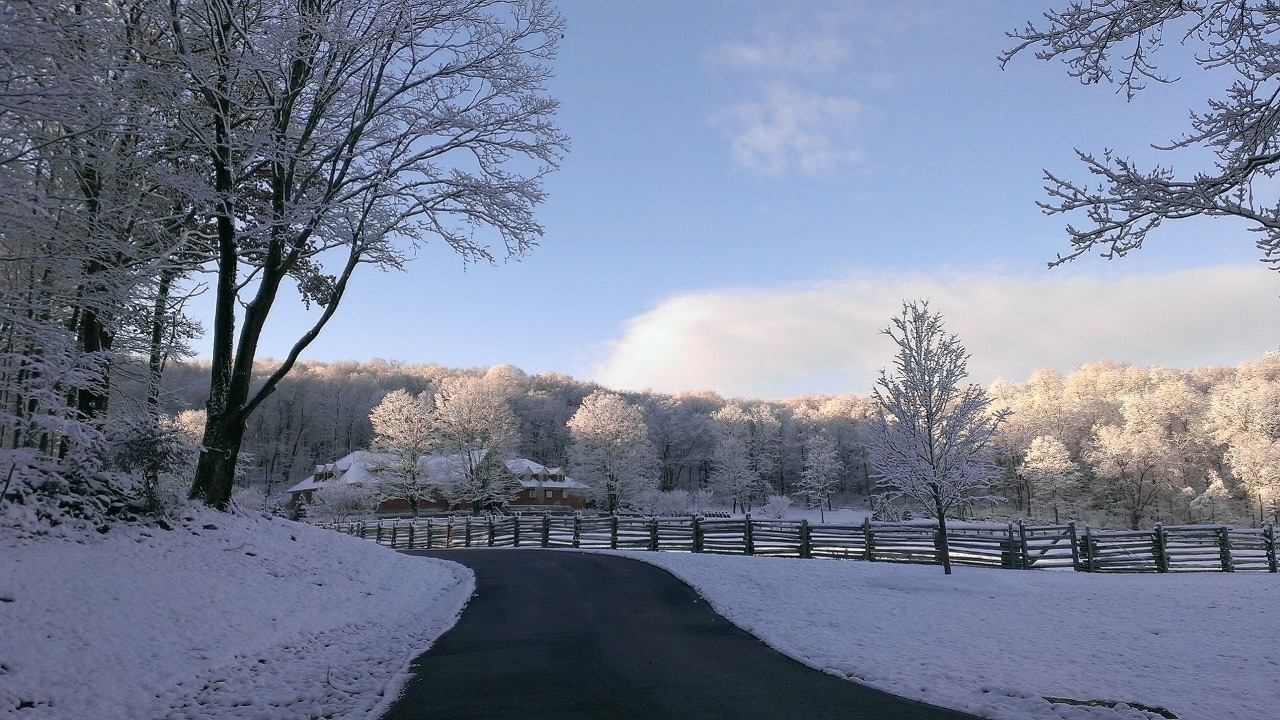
(541,487)
(546,486)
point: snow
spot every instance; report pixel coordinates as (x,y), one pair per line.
(225,616)
(996,642)
(228,616)
(839,516)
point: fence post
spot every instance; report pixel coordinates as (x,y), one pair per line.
(412,525)
(1089,549)
(1224,548)
(448,533)
(490,531)
(1269,538)
(377,538)
(1022,545)
(546,530)
(868,540)
(747,540)
(653,533)
(806,550)
(466,532)
(577,529)
(613,532)
(1009,557)
(1160,547)
(430,540)
(515,531)
(1075,547)
(697,536)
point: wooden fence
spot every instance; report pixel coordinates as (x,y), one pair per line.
(1191,548)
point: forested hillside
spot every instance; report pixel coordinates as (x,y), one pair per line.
(1110,443)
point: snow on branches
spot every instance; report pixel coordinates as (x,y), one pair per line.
(1117,41)
(931,439)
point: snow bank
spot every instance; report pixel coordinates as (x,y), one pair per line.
(996,642)
(224,617)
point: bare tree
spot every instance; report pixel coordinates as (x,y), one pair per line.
(1117,41)
(341,133)
(931,438)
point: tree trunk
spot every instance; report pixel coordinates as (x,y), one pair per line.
(93,337)
(216,469)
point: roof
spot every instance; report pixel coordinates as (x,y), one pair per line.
(354,469)
(567,484)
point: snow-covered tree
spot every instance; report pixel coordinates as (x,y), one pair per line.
(610,450)
(340,501)
(475,426)
(1255,459)
(733,474)
(1118,41)
(402,429)
(931,439)
(700,501)
(1244,416)
(87,227)
(1052,475)
(339,134)
(746,452)
(683,434)
(1213,501)
(1134,465)
(821,474)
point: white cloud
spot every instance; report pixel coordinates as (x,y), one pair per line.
(775,52)
(788,118)
(789,129)
(774,342)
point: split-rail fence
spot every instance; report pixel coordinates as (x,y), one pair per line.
(1188,548)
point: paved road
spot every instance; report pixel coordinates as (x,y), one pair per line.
(553,635)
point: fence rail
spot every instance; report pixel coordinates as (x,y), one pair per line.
(1189,548)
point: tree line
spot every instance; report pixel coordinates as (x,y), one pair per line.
(1111,444)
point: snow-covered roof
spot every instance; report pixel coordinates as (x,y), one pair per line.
(309,484)
(354,468)
(567,484)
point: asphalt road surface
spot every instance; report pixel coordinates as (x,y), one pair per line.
(554,635)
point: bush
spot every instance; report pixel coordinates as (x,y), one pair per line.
(776,506)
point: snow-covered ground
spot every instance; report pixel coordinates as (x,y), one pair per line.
(839,516)
(995,642)
(228,616)
(224,616)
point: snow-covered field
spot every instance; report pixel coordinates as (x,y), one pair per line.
(995,642)
(223,617)
(228,616)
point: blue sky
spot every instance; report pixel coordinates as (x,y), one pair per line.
(755,187)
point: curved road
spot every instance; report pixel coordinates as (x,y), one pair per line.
(554,635)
